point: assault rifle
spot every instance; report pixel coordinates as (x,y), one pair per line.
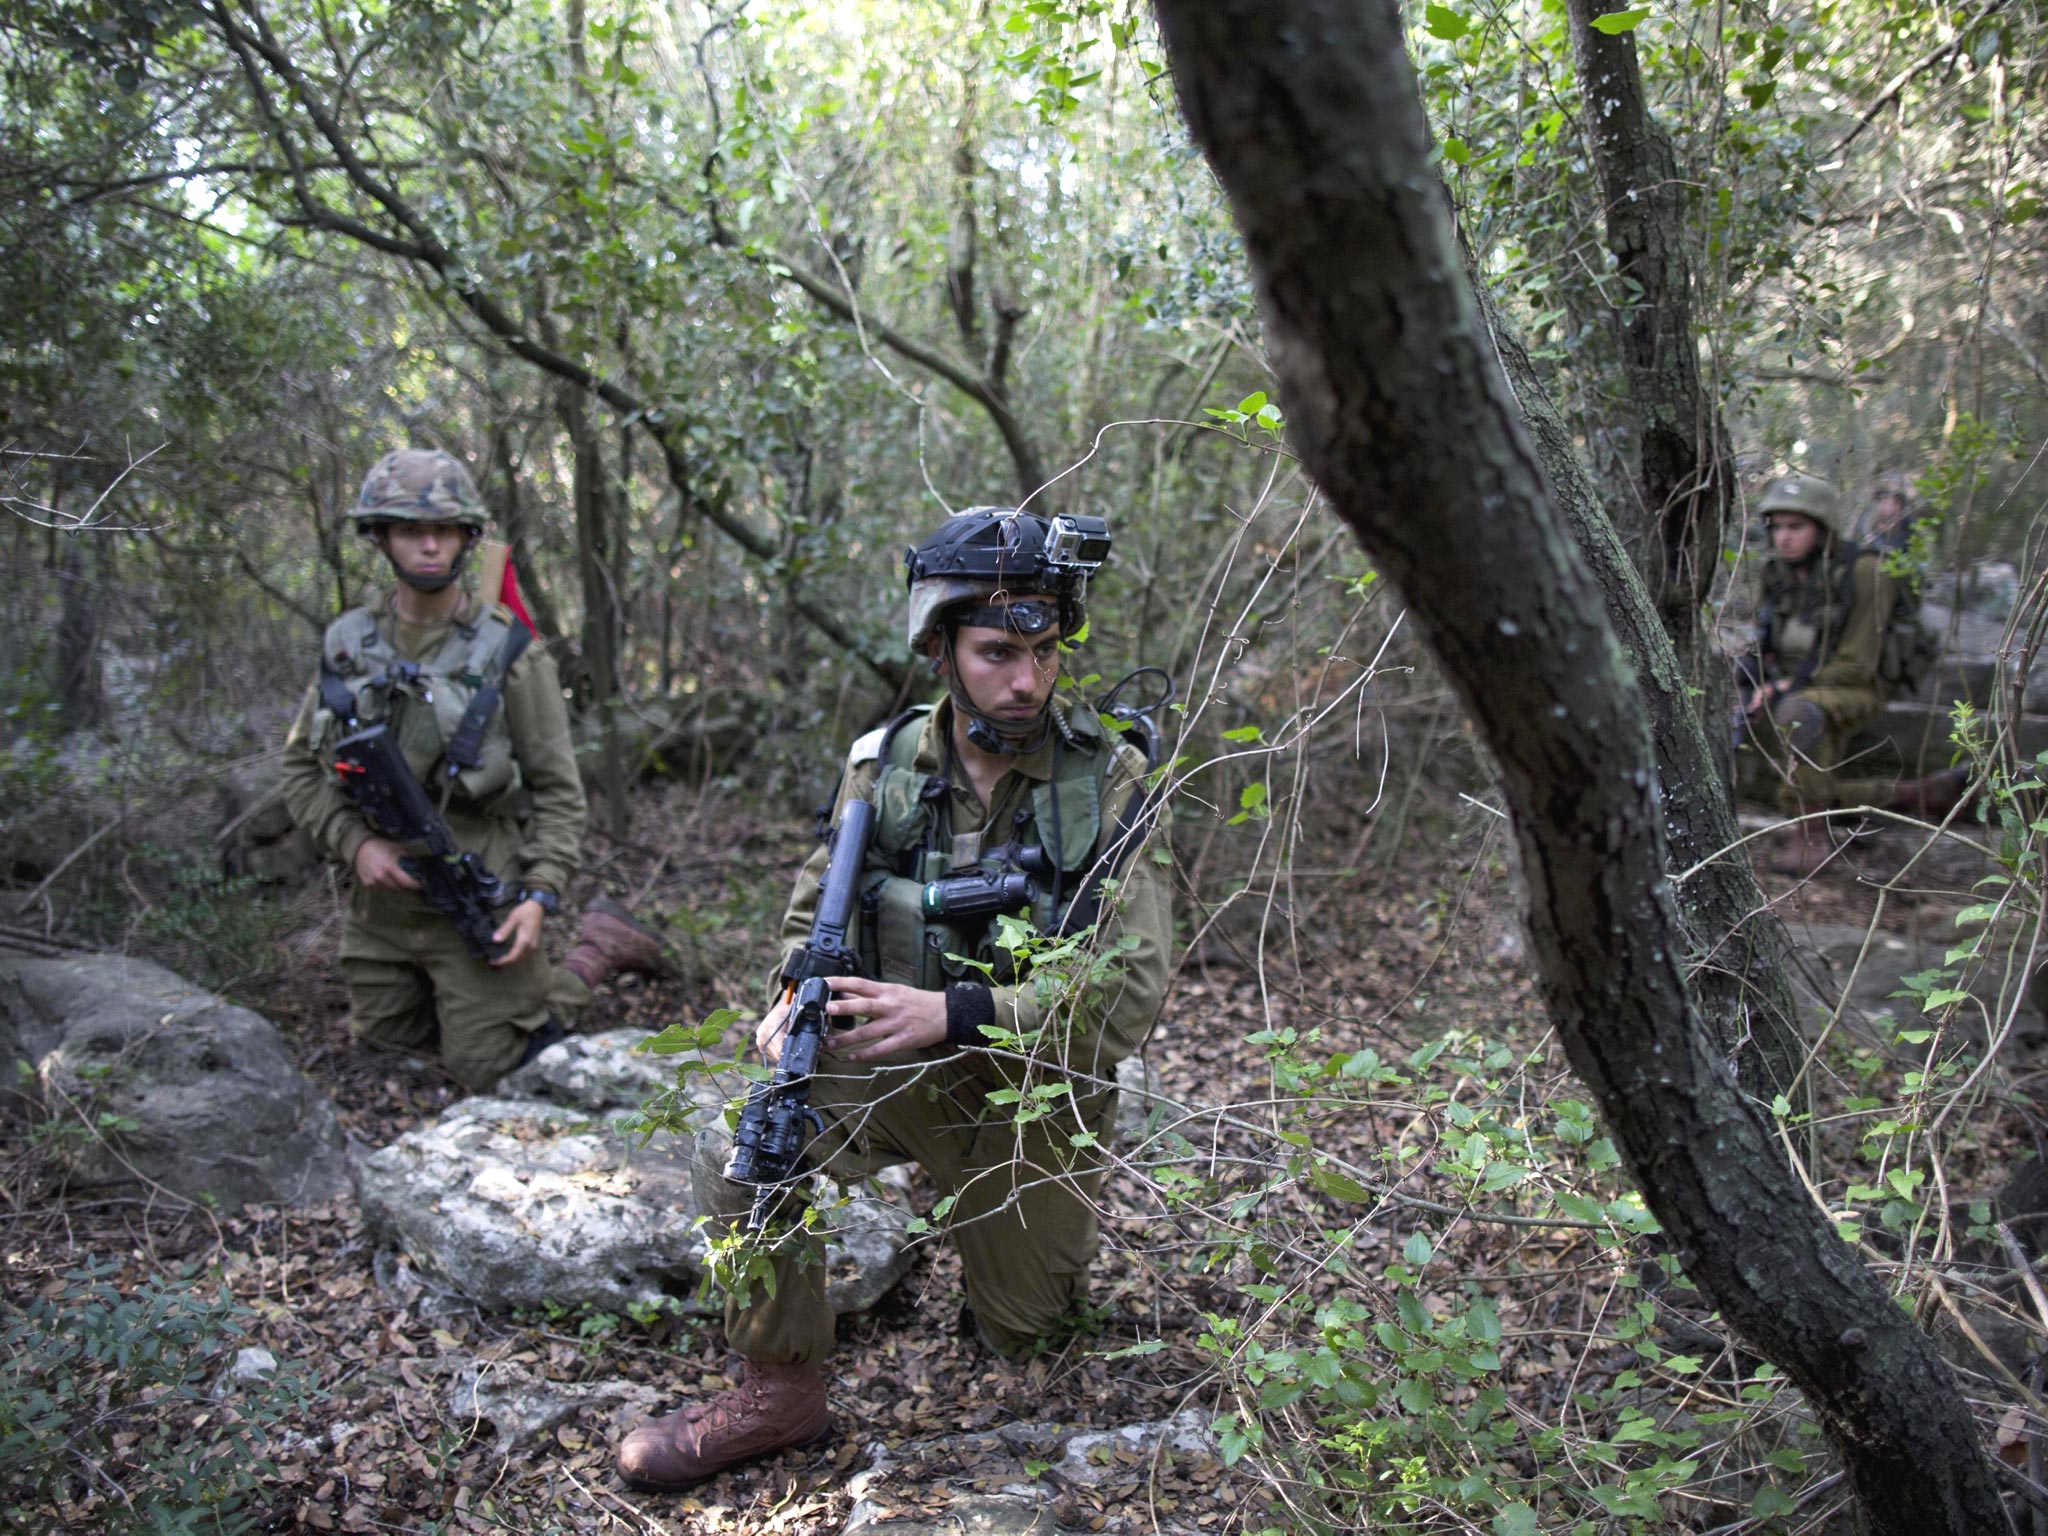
(374,776)
(778,1117)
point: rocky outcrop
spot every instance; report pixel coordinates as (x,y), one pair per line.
(555,1199)
(168,1084)
(255,832)
(1863,974)
(1023,1479)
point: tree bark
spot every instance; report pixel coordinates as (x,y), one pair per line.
(1683,468)
(1309,112)
(81,700)
(594,534)
(519,533)
(1735,946)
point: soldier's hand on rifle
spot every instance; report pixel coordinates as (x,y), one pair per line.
(891,1018)
(521,931)
(769,1032)
(377,866)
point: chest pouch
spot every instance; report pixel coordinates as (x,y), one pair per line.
(446,713)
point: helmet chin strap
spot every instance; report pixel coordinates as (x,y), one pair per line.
(440,583)
(1003,738)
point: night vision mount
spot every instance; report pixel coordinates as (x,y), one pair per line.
(998,544)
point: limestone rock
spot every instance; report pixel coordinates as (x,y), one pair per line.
(255,831)
(524,1407)
(520,1202)
(1832,964)
(1139,1096)
(593,1073)
(196,1094)
(1024,1506)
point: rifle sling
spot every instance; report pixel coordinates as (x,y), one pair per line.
(465,751)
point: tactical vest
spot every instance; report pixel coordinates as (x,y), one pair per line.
(1801,624)
(912,847)
(428,703)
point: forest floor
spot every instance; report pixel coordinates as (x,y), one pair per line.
(1417,948)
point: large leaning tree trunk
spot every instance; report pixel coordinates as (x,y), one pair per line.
(1735,947)
(1309,112)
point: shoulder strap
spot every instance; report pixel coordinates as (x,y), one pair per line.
(465,750)
(887,748)
(1133,826)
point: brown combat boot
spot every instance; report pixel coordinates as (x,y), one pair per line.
(611,940)
(773,1408)
(1933,797)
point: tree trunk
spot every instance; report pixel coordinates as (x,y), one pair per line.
(1309,112)
(1683,472)
(1735,947)
(600,610)
(519,534)
(81,697)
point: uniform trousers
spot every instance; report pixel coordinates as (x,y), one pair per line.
(1816,776)
(1023,1217)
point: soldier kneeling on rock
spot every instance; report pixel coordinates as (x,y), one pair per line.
(1820,669)
(1002,762)
(437,665)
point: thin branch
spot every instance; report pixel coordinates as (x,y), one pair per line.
(1941,53)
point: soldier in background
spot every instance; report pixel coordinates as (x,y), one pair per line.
(415,660)
(1887,524)
(1816,674)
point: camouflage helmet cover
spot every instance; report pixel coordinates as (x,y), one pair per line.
(960,562)
(1808,495)
(418,485)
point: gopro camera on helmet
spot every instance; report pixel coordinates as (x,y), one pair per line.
(1076,546)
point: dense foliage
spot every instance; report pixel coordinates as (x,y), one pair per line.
(726,303)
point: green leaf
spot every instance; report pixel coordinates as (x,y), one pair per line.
(1771,1502)
(1456,152)
(1515,1520)
(1251,403)
(1339,1186)
(1501,1176)
(1417,1249)
(1441,21)
(1131,1352)
(1244,733)
(1614,23)
(1578,1207)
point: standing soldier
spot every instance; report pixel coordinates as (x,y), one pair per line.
(1817,673)
(1002,776)
(427,661)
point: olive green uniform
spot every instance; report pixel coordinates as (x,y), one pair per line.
(1845,685)
(413,985)
(1024,1214)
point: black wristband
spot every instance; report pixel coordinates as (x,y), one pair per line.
(969,1005)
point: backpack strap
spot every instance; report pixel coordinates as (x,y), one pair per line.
(465,750)
(1133,826)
